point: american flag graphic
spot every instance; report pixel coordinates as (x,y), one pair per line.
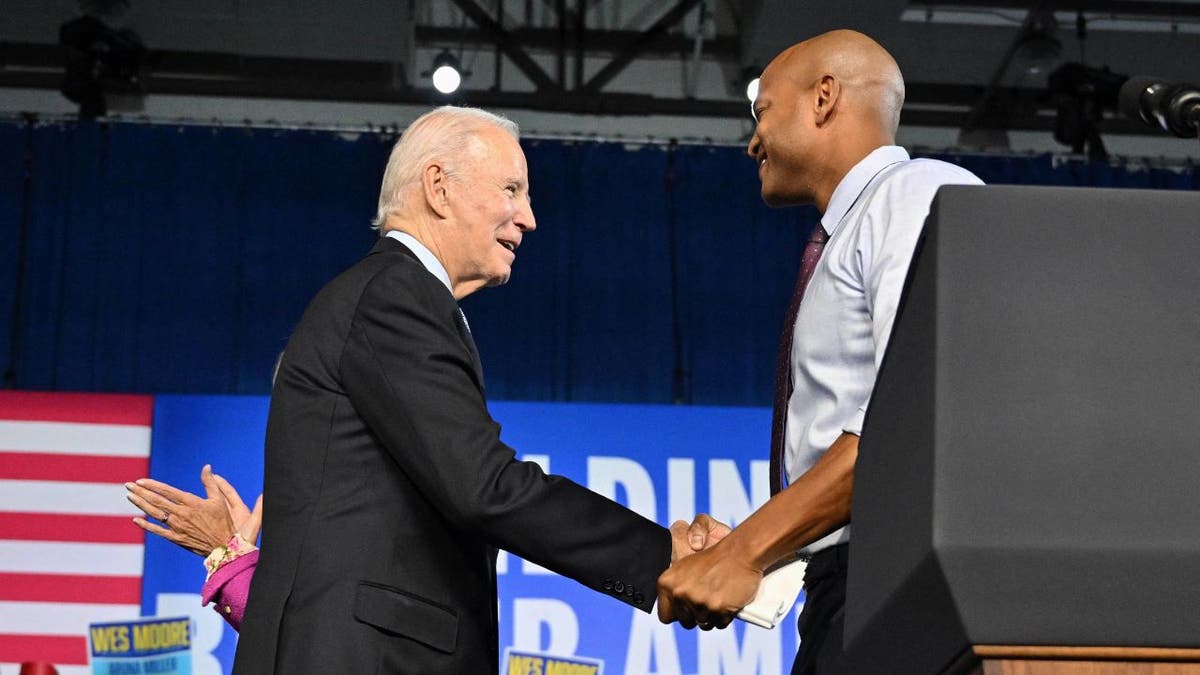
(69,554)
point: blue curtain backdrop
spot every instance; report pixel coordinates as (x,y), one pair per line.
(161,258)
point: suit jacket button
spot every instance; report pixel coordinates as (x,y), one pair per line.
(619,587)
(639,598)
(607,585)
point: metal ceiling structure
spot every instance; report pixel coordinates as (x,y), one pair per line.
(968,63)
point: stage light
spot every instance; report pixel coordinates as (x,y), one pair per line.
(104,64)
(752,89)
(1082,94)
(447,74)
(1040,43)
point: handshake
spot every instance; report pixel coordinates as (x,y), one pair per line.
(710,578)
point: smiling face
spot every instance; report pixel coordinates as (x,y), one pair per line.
(490,211)
(784,145)
(823,105)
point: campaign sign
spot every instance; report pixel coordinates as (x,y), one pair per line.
(526,663)
(665,462)
(144,646)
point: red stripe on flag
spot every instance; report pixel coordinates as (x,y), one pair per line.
(45,406)
(74,468)
(70,588)
(61,650)
(69,527)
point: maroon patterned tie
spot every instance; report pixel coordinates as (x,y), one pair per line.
(783,357)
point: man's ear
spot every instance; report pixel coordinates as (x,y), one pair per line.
(828,89)
(435,184)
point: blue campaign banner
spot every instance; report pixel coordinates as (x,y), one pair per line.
(666,462)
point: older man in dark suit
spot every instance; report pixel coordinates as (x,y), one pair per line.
(388,485)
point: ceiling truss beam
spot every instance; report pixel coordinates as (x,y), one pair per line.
(39,66)
(637,46)
(508,46)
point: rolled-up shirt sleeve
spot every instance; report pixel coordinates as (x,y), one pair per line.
(888,240)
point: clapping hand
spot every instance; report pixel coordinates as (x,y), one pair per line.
(191,522)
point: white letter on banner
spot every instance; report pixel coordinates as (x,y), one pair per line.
(651,641)
(605,473)
(728,501)
(681,489)
(207,624)
(717,651)
(526,566)
(760,481)
(528,616)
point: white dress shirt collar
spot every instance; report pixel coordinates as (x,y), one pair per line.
(427,258)
(852,185)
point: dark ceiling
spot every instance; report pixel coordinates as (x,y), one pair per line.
(972,63)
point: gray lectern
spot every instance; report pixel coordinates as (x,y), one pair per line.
(1027,495)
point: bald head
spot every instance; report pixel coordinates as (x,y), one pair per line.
(869,76)
(823,105)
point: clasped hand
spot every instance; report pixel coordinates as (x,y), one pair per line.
(707,582)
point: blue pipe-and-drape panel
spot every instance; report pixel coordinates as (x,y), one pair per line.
(161,258)
(175,259)
(13,141)
(645,262)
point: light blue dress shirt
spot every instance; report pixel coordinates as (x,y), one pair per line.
(874,219)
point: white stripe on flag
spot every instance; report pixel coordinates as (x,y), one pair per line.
(59,618)
(49,496)
(15,669)
(52,557)
(73,438)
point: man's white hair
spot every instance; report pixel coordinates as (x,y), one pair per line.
(446,134)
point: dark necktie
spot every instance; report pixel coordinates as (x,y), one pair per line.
(783,357)
(464,330)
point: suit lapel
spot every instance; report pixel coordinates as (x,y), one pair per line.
(389,245)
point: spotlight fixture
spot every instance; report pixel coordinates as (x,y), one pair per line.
(103,63)
(447,74)
(1038,49)
(746,82)
(1082,94)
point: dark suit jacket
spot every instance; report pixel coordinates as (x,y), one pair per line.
(389,490)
